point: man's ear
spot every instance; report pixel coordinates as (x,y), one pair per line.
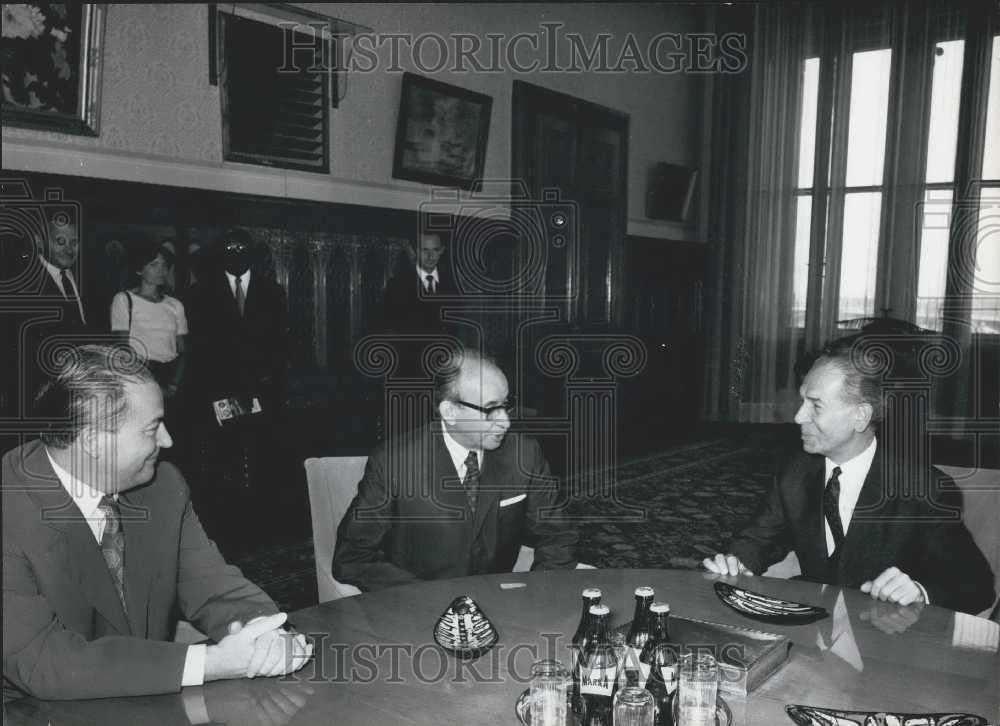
(90,441)
(863,417)
(447,411)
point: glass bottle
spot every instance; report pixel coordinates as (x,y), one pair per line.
(639,632)
(591,596)
(662,658)
(595,673)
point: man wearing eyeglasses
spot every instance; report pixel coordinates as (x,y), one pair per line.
(456,497)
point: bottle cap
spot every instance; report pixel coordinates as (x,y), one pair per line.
(659,607)
(599,610)
(592,592)
(644,591)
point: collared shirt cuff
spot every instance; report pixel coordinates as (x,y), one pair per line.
(923,591)
(195,707)
(194,666)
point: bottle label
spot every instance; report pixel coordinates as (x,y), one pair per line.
(669,674)
(597,681)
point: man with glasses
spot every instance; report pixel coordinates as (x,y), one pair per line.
(456,497)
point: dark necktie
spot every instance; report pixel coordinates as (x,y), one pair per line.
(472,479)
(831,508)
(241,298)
(69,292)
(113,544)
(430,284)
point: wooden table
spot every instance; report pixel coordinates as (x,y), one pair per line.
(377,662)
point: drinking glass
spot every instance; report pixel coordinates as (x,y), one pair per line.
(634,707)
(549,690)
(699,685)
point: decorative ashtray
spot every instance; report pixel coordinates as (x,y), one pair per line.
(523,709)
(810,716)
(769,609)
(723,716)
(464,630)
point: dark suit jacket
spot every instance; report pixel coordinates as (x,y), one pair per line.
(410,519)
(65,634)
(35,312)
(234,355)
(936,551)
(408,309)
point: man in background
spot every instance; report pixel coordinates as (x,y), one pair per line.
(101,544)
(846,507)
(458,496)
(412,295)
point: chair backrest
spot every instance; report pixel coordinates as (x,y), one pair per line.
(333,482)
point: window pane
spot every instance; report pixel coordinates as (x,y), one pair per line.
(986,283)
(868,114)
(807,121)
(859,255)
(991,157)
(800,269)
(946,91)
(933,271)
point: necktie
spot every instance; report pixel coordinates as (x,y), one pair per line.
(69,292)
(241,298)
(430,284)
(471,479)
(831,508)
(113,544)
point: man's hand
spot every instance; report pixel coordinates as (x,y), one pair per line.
(276,652)
(231,657)
(725,565)
(894,585)
(891,618)
(263,703)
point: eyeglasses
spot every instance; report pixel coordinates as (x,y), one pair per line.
(236,246)
(491,411)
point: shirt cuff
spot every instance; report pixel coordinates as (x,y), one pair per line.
(195,707)
(194,666)
(923,591)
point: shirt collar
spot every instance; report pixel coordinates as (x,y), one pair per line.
(458,452)
(422,274)
(56,272)
(856,468)
(83,495)
(244,278)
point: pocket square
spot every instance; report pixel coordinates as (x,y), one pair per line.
(512,500)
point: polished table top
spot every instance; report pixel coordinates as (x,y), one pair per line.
(377,662)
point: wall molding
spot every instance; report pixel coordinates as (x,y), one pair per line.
(22,154)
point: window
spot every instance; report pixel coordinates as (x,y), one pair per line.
(986,284)
(275,88)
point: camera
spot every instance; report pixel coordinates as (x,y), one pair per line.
(504,245)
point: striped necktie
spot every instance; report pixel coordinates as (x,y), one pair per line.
(831,508)
(472,479)
(113,544)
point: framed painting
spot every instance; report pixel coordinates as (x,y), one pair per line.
(51,66)
(441,133)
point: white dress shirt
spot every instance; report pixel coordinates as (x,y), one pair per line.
(422,276)
(852,478)
(87,500)
(56,274)
(244,281)
(459,453)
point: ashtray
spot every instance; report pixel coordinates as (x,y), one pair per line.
(464,630)
(769,609)
(811,716)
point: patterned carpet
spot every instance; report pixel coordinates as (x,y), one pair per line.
(689,499)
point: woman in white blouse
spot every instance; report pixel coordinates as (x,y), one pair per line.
(154,321)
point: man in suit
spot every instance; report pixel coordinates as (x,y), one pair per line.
(46,277)
(238,322)
(412,295)
(845,505)
(101,544)
(456,497)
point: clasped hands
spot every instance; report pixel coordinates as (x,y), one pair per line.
(893,585)
(258,648)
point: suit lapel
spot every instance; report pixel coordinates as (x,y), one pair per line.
(494,474)
(58,511)
(140,554)
(446,487)
(858,542)
(815,519)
